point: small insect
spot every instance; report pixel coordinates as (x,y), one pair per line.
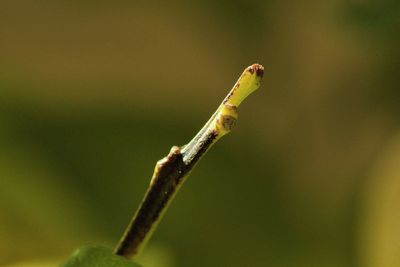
(171,171)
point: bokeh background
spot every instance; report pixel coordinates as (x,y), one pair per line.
(93,93)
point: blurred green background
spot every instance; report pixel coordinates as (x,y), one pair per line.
(93,93)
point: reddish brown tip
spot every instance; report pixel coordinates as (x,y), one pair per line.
(256,68)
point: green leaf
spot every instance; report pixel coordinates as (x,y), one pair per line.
(97,256)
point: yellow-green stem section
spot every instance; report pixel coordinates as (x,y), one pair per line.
(219,122)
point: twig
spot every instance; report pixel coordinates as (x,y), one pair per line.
(171,171)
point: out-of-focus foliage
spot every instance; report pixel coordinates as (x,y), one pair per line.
(379,233)
(93,93)
(97,256)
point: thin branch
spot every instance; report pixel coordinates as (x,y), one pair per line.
(171,171)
